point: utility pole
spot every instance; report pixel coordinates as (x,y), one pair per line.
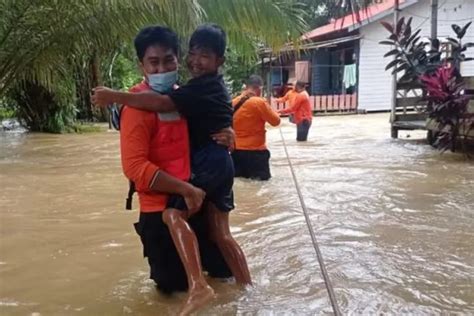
(396,9)
(434,19)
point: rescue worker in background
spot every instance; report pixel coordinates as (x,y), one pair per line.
(301,110)
(289,98)
(251,112)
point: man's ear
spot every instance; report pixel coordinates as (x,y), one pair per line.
(142,69)
(221,61)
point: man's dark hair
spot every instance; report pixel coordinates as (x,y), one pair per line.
(254,80)
(300,84)
(210,36)
(155,35)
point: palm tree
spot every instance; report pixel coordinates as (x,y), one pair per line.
(56,50)
(46,46)
(52,50)
(38,39)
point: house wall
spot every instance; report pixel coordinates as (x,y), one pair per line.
(375,91)
(277,75)
(320,75)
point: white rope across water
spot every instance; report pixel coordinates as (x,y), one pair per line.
(319,255)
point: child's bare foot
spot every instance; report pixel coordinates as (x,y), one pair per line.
(197,298)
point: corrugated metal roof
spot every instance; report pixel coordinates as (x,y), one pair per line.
(312,45)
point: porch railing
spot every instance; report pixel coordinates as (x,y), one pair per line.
(327,103)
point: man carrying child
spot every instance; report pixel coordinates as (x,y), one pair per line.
(205,103)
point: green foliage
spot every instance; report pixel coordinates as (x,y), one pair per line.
(237,70)
(320,12)
(122,71)
(249,23)
(438,76)
(40,40)
(6,112)
(447,104)
(61,49)
(83,128)
(411,56)
(40,110)
(50,45)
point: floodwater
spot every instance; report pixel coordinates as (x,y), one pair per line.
(394,220)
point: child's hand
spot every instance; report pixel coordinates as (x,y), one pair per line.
(102,96)
(225,137)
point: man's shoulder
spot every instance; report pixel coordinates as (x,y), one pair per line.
(249,99)
(139,87)
(236,99)
(130,112)
(258,101)
(303,95)
(135,116)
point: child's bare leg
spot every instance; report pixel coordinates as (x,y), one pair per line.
(219,231)
(186,243)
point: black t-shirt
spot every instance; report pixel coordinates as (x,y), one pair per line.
(206,104)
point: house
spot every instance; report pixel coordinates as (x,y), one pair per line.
(343,62)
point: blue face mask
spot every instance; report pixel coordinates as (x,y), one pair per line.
(163,82)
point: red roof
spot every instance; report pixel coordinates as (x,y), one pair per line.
(349,20)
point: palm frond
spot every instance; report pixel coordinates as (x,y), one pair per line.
(56,31)
(251,22)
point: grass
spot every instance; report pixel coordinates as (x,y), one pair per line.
(83,128)
(6,113)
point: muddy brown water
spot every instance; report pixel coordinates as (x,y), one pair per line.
(394,219)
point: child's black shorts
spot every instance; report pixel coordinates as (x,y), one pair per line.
(213,171)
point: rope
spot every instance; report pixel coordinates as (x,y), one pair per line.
(319,255)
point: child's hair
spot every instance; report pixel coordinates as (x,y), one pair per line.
(210,36)
(155,35)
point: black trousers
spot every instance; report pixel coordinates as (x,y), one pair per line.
(252,164)
(166,268)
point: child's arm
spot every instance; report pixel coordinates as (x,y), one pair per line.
(148,101)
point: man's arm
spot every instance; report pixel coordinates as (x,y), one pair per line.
(193,196)
(284,98)
(268,114)
(147,101)
(135,135)
(293,107)
(136,132)
(225,137)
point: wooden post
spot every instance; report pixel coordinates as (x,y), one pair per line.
(269,83)
(394,133)
(357,59)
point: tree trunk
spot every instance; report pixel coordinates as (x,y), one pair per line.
(100,114)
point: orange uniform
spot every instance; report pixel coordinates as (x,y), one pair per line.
(288,97)
(249,123)
(301,108)
(150,142)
